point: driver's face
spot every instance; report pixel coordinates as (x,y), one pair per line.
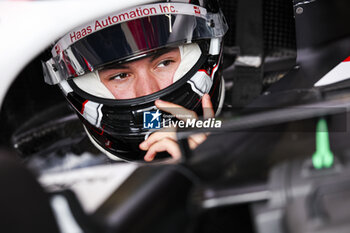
(142,77)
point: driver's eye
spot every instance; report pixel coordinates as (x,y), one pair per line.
(164,63)
(119,76)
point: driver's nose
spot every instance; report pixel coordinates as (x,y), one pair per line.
(146,82)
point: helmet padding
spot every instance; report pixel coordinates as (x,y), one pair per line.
(92,84)
(190,54)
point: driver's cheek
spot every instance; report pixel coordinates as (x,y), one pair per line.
(123,90)
(142,85)
(165,77)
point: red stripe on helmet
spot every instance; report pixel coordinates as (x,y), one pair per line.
(205,71)
(212,71)
(83,107)
(87,64)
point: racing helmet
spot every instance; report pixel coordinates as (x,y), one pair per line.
(116,126)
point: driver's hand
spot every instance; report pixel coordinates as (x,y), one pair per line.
(166,140)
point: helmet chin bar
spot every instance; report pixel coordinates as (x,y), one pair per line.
(163,161)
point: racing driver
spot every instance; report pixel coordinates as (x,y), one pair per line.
(157,57)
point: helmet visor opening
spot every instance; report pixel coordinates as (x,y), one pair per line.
(142,76)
